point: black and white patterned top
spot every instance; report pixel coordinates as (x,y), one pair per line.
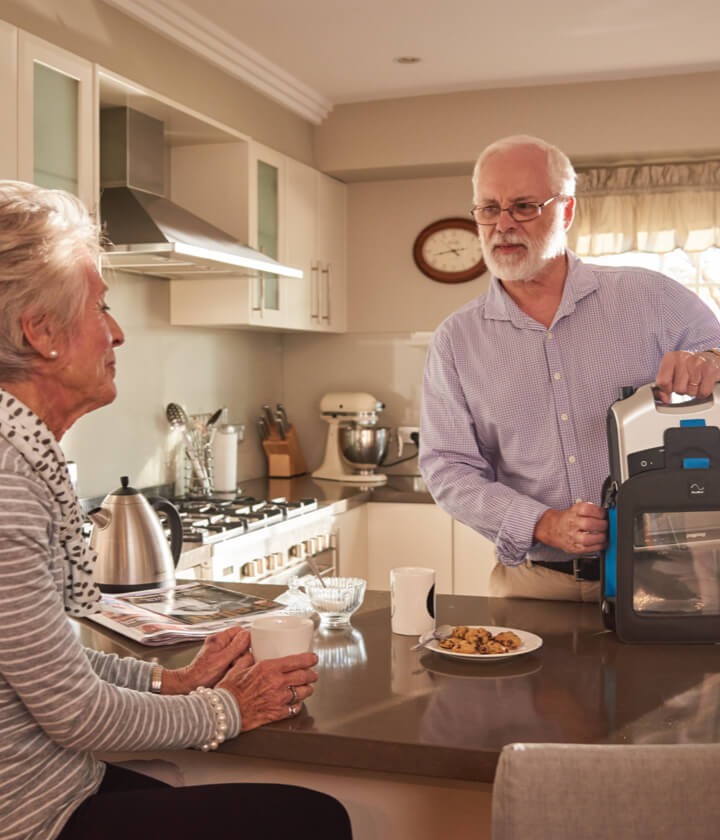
(58,701)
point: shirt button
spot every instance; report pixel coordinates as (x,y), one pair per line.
(556,375)
(571,459)
(577,501)
(549,335)
(563,416)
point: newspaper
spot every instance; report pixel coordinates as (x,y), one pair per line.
(180,613)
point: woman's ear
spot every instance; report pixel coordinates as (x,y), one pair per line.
(40,334)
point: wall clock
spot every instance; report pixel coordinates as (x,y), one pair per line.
(449,251)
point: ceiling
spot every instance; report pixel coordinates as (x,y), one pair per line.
(314,54)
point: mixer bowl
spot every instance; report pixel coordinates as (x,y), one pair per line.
(364,447)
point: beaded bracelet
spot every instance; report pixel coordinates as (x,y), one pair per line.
(221,726)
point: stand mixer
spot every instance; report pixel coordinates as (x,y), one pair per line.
(355,446)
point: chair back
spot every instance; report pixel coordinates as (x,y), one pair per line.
(607,792)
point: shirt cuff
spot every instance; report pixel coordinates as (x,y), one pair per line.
(515,537)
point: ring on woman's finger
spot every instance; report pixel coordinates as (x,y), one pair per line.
(293,694)
(293,710)
(693,384)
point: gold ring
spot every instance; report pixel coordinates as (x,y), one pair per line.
(293,694)
(693,384)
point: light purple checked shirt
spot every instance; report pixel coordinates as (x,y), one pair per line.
(513,420)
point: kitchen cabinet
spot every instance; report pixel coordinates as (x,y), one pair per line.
(212,181)
(8,100)
(315,209)
(413,534)
(57,127)
(473,560)
(267,223)
(351,533)
(409,534)
(242,188)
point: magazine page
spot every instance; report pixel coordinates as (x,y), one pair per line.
(179,614)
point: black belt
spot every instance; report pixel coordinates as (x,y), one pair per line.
(581,568)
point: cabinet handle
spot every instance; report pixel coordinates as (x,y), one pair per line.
(314,292)
(261,281)
(326,273)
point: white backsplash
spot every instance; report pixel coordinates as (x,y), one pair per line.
(201,368)
(388,366)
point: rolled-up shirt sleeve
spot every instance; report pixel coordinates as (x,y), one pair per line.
(460,478)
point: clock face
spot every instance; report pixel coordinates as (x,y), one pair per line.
(449,251)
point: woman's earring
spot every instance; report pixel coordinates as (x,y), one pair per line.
(53,354)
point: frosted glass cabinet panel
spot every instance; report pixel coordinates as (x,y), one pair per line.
(266,199)
(56,119)
(55,129)
(8,100)
(268,211)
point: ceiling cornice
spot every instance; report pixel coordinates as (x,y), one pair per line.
(176,21)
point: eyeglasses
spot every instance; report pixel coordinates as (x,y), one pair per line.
(520,211)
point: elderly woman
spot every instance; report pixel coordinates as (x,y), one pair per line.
(58,701)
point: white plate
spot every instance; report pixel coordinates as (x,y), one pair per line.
(530,642)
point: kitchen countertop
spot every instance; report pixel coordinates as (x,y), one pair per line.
(380,707)
(399,488)
(340,496)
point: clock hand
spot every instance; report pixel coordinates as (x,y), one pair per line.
(455,251)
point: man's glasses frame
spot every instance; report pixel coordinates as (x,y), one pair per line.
(520,211)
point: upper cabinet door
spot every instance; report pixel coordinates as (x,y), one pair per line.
(267,232)
(331,244)
(8,100)
(300,225)
(57,120)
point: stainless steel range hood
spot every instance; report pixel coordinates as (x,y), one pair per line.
(148,233)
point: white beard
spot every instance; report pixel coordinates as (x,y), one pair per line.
(524,265)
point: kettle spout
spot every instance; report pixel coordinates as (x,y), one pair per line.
(100,517)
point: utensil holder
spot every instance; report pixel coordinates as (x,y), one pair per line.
(193,482)
(284,457)
(203,451)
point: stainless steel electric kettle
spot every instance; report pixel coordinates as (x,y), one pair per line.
(132,550)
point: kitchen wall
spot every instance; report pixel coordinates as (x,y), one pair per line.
(203,369)
(389,302)
(657,118)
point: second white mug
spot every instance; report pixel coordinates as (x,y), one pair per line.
(412,592)
(273,636)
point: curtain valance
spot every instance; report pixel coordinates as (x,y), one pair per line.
(654,207)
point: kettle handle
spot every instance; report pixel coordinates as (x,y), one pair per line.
(176,533)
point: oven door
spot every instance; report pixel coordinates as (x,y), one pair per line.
(277,553)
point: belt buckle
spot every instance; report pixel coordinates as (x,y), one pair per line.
(579,563)
(577,572)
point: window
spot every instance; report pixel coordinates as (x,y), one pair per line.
(698,271)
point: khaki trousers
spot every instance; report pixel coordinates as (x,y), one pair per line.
(540,582)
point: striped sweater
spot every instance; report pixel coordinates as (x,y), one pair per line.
(58,701)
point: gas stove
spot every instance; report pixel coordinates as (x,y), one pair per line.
(210,520)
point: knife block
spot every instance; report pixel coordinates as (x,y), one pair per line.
(284,457)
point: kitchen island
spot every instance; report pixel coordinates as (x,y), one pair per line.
(409,740)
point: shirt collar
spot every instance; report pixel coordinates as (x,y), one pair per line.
(579,283)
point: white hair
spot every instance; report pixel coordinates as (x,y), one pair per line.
(561,172)
(45,237)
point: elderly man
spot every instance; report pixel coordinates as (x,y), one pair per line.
(518,382)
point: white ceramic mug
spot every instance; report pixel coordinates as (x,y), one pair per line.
(412,592)
(273,636)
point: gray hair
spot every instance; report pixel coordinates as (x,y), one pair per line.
(45,235)
(561,172)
